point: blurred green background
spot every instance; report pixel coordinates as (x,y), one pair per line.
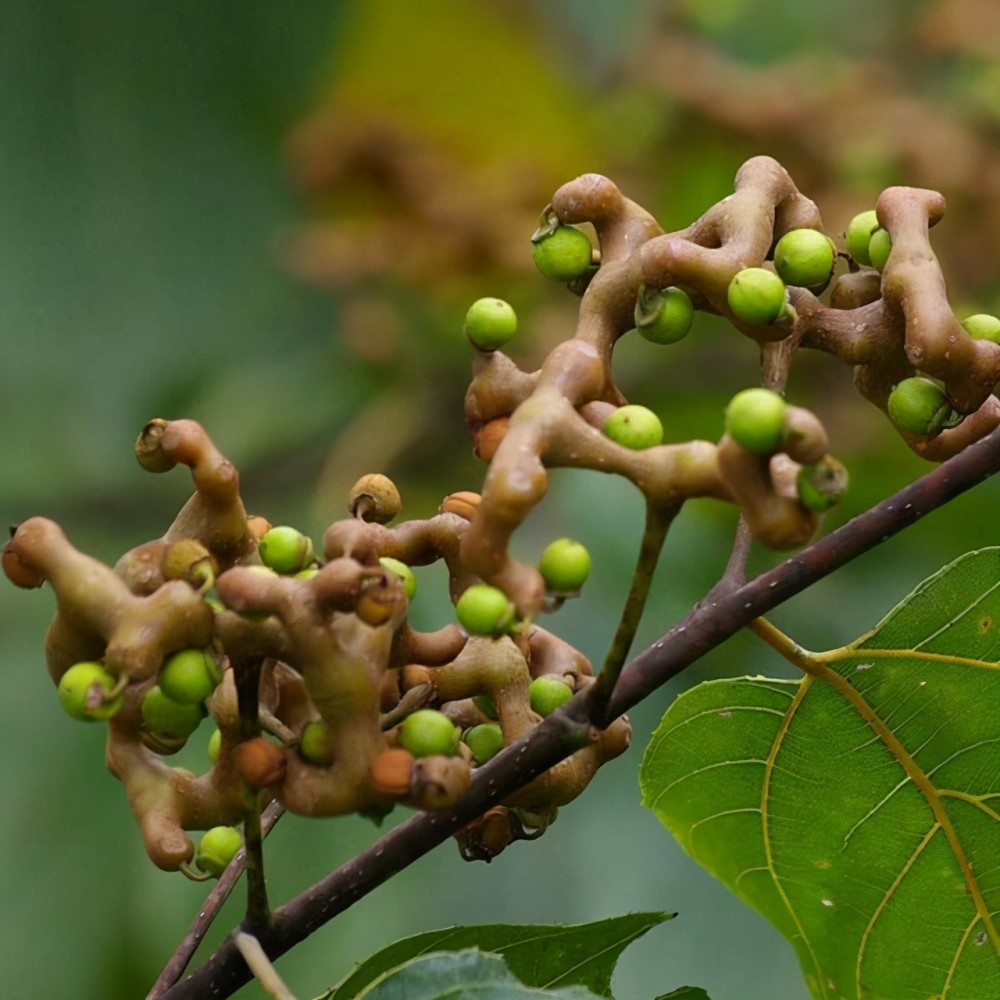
(271,218)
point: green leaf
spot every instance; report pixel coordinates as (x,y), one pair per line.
(540,955)
(461,974)
(859,808)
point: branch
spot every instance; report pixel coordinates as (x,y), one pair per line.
(702,629)
(209,910)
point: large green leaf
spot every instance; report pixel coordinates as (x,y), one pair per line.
(540,955)
(456,975)
(859,808)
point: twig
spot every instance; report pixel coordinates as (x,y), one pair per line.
(701,630)
(178,962)
(258,962)
(258,912)
(654,534)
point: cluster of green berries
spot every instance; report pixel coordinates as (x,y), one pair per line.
(486,610)
(428,732)
(867,242)
(172,709)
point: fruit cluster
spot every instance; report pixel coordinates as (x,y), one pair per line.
(323,697)
(759,257)
(350,708)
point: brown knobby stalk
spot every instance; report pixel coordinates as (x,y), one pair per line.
(702,629)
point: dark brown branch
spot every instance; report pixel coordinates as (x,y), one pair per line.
(705,627)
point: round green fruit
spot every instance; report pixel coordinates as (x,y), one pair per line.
(217,848)
(859,235)
(983,326)
(547,693)
(485,741)
(215,745)
(84,690)
(663,316)
(165,717)
(490,323)
(821,486)
(188,676)
(565,566)
(756,296)
(879,248)
(285,550)
(428,732)
(486,705)
(563,254)
(404,573)
(485,610)
(804,257)
(918,406)
(755,419)
(634,427)
(315,745)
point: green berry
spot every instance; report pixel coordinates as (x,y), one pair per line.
(563,254)
(217,848)
(215,745)
(821,485)
(918,406)
(490,323)
(285,550)
(188,676)
(163,716)
(755,419)
(84,690)
(315,744)
(486,705)
(983,326)
(485,610)
(485,741)
(404,573)
(428,732)
(859,235)
(547,693)
(756,296)
(565,566)
(634,426)
(663,316)
(804,257)
(878,249)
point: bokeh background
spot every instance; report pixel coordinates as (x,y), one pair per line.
(271,218)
